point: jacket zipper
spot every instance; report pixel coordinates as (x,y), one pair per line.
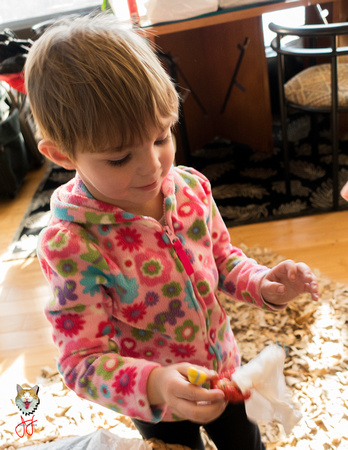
(179,249)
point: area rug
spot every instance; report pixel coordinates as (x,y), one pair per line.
(248,186)
(315,339)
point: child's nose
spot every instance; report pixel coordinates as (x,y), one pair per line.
(151,161)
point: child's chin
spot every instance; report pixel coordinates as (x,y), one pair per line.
(344,191)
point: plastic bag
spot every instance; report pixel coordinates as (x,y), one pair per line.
(169,10)
(99,440)
(263,376)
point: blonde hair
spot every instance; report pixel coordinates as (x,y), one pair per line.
(90,80)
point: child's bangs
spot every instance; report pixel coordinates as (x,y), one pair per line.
(128,124)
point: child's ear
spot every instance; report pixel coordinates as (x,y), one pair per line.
(53,153)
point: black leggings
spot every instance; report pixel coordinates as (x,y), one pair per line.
(231,431)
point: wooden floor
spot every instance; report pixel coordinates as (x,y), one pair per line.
(25,336)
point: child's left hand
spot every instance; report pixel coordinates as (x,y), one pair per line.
(286,281)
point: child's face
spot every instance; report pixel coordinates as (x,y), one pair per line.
(129,177)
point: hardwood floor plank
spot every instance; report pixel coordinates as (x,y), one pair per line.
(30,362)
(321,241)
(24,339)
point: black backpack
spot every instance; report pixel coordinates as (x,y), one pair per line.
(14,164)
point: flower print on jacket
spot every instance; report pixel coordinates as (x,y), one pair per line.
(128,239)
(135,312)
(183,351)
(153,267)
(186,332)
(65,293)
(59,244)
(107,367)
(69,324)
(126,288)
(151,298)
(125,381)
(124,303)
(106,329)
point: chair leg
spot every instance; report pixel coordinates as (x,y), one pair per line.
(286,155)
(314,136)
(286,162)
(335,166)
(335,136)
(283,116)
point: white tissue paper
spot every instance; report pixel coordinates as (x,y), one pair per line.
(263,377)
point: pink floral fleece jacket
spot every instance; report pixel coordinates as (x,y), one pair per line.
(131,293)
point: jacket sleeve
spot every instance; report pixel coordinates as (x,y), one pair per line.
(82,316)
(239,276)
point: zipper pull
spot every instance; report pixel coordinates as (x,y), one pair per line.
(180,251)
(178,247)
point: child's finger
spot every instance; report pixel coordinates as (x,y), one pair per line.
(344,191)
(305,271)
(272,290)
(289,269)
(313,289)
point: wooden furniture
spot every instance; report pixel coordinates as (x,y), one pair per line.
(206,51)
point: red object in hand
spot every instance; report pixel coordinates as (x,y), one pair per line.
(232,392)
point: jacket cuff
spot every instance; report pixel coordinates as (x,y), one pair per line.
(272,306)
(150,413)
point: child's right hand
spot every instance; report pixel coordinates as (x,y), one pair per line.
(169,385)
(344,191)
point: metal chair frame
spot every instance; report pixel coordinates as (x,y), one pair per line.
(330,52)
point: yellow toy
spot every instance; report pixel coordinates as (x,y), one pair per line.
(222,381)
(196,376)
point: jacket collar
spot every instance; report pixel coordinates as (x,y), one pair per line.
(72,202)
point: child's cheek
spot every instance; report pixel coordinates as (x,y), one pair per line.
(344,191)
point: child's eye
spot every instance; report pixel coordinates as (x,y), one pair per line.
(163,141)
(118,162)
